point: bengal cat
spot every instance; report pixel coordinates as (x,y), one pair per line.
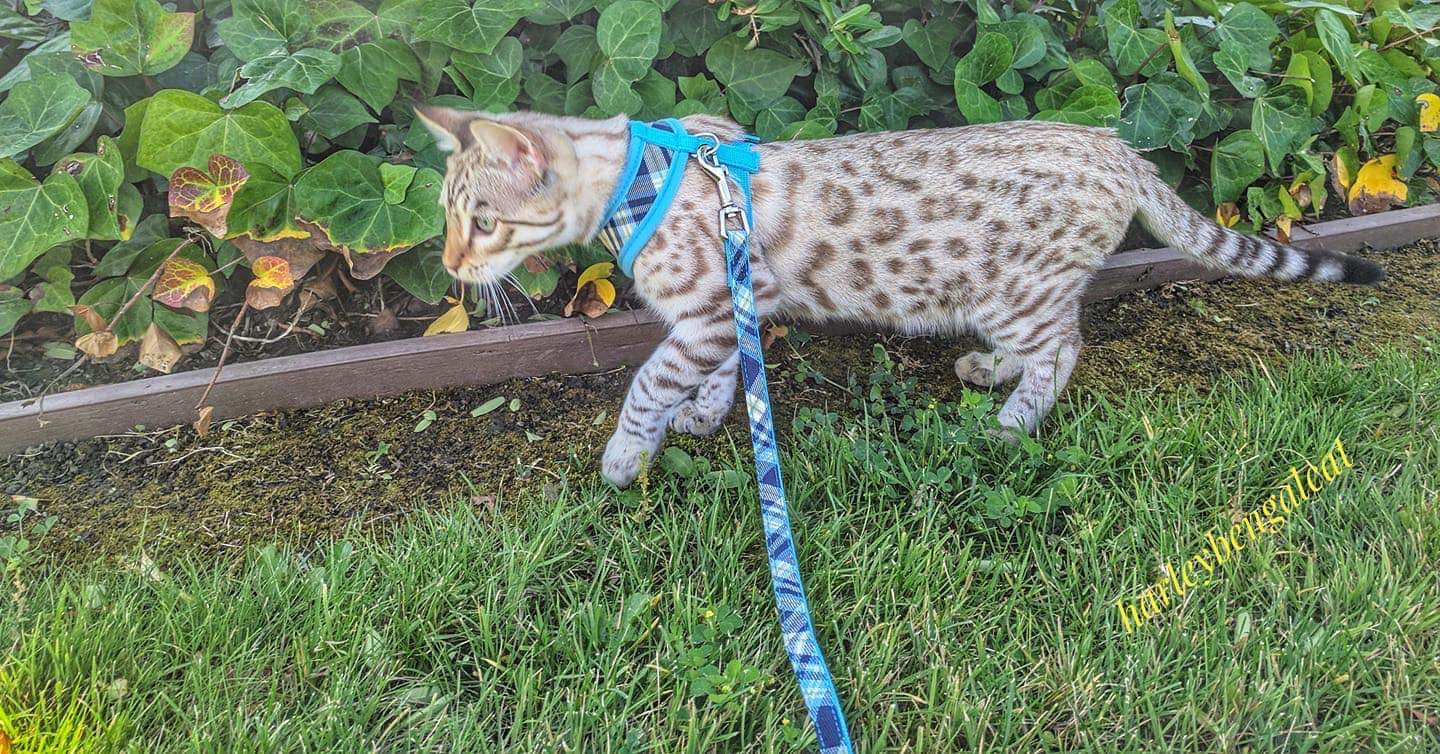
(989,229)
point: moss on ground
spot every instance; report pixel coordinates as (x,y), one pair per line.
(306,475)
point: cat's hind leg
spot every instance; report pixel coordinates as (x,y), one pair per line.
(1046,357)
(987,369)
(704,412)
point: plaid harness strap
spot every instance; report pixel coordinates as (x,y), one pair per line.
(654,168)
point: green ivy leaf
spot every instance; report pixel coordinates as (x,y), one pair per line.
(773,120)
(494,78)
(1281,119)
(992,55)
(468,26)
(114,206)
(1233,61)
(332,111)
(303,71)
(1336,39)
(344,196)
(182,128)
(70,137)
(933,42)
(396,179)
(1237,162)
(55,293)
(1130,45)
(421,272)
(1251,30)
(132,37)
(578,51)
(1159,112)
(265,208)
(38,109)
(35,217)
(13,305)
(257,28)
(106,297)
(1026,41)
(753,79)
(372,71)
(1088,105)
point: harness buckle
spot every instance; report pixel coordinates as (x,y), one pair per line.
(729,212)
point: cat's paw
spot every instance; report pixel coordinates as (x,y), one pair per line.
(625,457)
(694,419)
(977,369)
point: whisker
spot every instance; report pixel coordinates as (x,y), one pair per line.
(510,276)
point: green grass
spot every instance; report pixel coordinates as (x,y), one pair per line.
(964,609)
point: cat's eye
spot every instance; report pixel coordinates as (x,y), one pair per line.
(485,224)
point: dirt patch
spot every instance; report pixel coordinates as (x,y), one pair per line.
(303,475)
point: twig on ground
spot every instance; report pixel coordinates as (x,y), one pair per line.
(224,353)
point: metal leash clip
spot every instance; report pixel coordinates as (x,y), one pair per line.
(729,210)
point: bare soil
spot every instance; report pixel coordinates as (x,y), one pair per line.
(306,475)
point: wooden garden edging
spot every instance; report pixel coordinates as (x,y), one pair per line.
(482,357)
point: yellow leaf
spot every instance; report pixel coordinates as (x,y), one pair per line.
(271,272)
(1429,112)
(1345,164)
(455,319)
(184,284)
(1377,187)
(595,272)
(1282,224)
(1227,214)
(158,350)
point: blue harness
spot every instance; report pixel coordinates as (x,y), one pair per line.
(654,168)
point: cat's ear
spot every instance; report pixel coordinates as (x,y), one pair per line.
(450,127)
(516,149)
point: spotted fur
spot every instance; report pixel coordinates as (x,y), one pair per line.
(994,230)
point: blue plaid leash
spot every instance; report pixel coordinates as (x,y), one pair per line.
(653,172)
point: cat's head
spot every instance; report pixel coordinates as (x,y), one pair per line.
(505,194)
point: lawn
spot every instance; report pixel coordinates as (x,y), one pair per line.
(964,592)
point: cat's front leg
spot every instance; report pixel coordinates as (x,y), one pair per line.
(677,366)
(704,412)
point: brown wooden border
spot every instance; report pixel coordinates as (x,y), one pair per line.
(484,357)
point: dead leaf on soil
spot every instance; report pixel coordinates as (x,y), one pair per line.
(202,421)
(92,318)
(773,332)
(537,263)
(455,319)
(99,344)
(1377,187)
(385,323)
(158,350)
(594,293)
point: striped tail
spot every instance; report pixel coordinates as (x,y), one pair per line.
(1171,220)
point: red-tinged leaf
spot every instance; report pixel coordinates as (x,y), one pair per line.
(272,283)
(158,350)
(184,284)
(206,197)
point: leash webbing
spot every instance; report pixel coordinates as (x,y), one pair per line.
(654,168)
(797,629)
